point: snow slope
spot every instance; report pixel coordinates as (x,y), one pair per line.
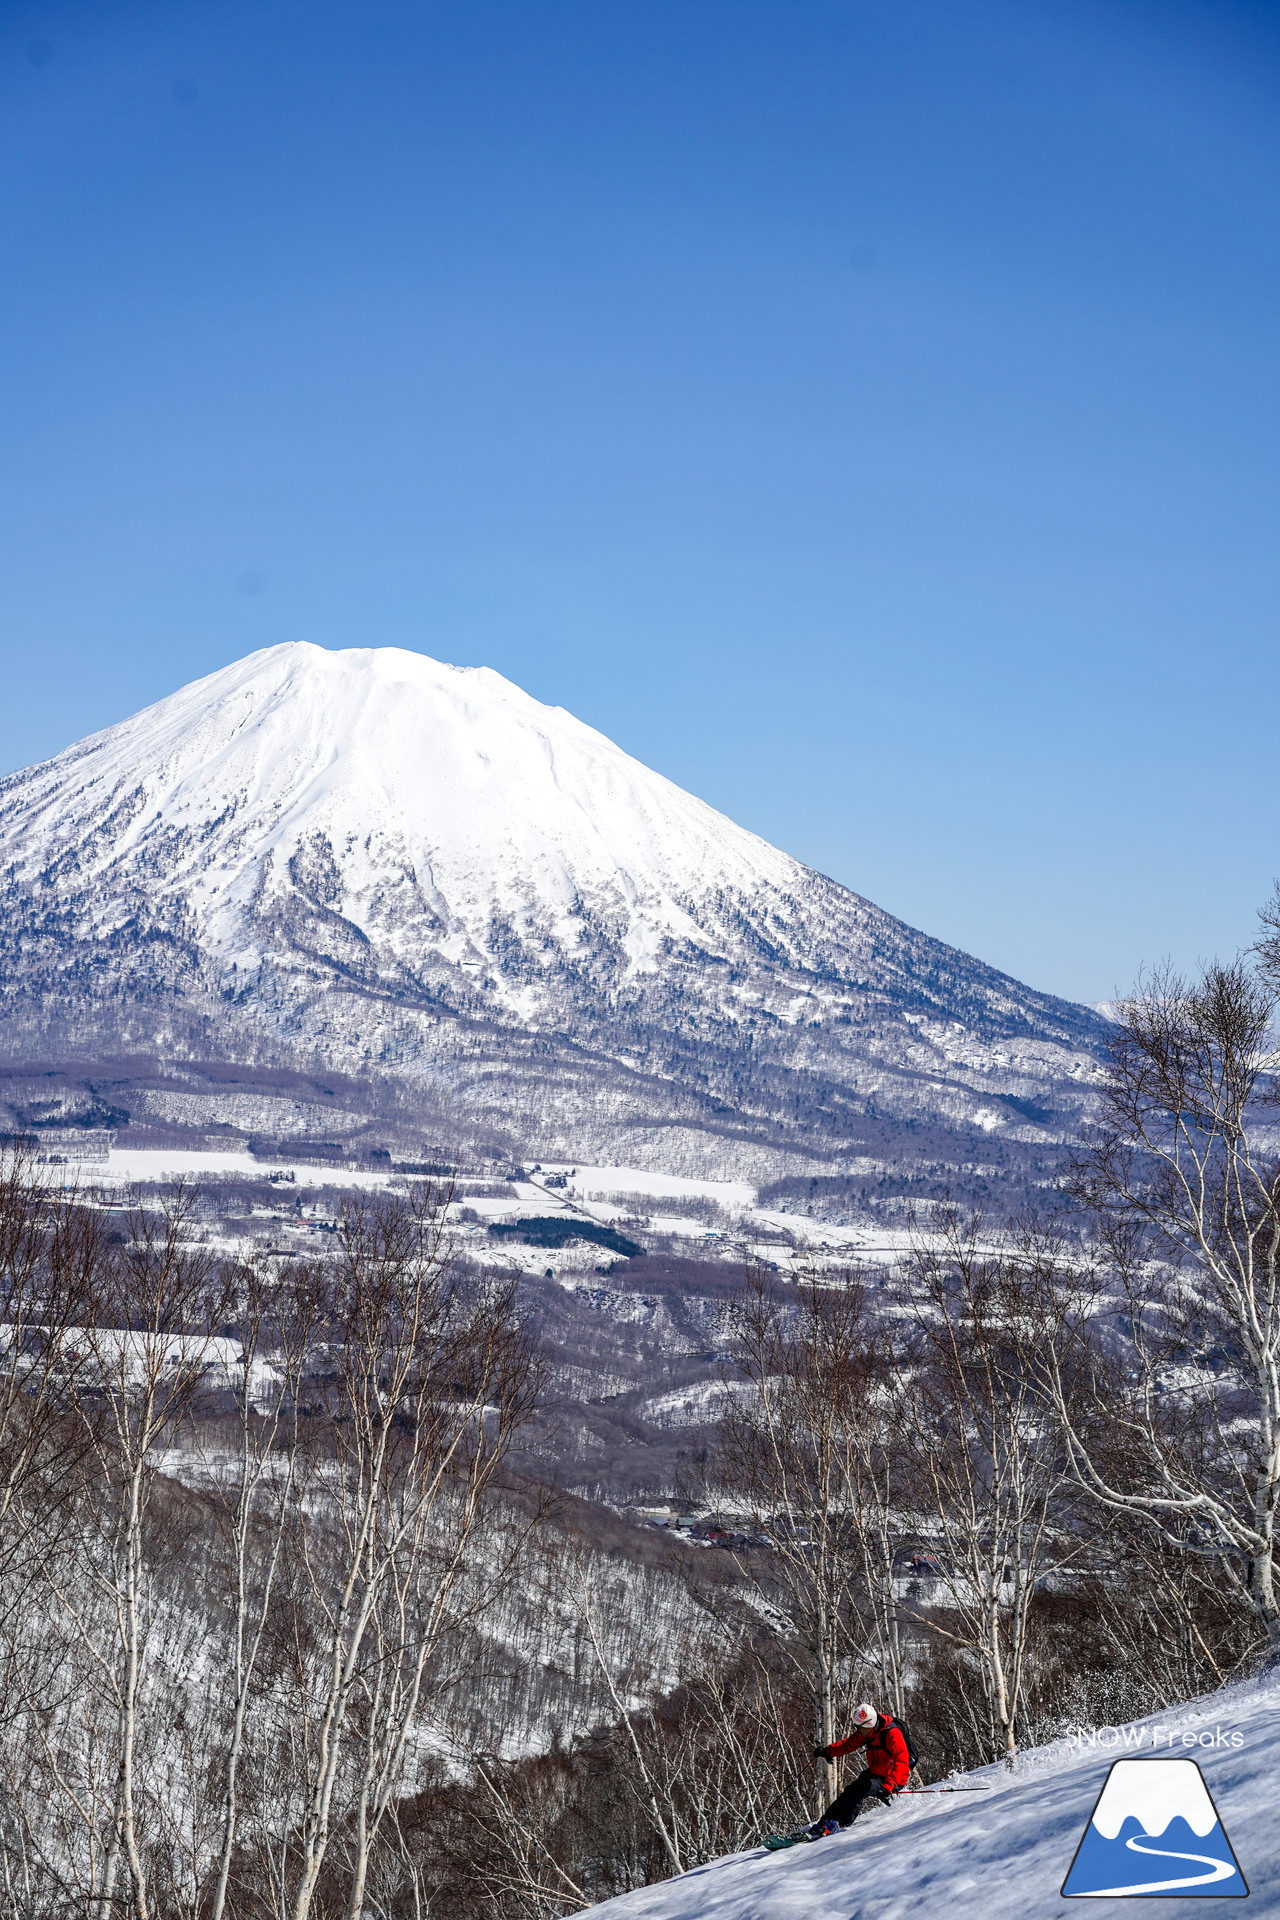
(1003,1855)
(372,860)
(413,795)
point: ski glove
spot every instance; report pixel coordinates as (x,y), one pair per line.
(822,1753)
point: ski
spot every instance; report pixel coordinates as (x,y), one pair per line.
(777,1841)
(905,1790)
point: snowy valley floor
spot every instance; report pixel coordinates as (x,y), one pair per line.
(1002,1855)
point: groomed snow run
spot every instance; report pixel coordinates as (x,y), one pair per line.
(1003,1854)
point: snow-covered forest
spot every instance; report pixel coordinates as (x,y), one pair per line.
(328,1588)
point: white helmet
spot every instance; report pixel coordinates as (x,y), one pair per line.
(865,1715)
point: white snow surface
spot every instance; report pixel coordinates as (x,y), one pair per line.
(414,783)
(129,1166)
(589,1182)
(1003,1854)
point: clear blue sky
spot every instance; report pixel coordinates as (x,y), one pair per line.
(865,411)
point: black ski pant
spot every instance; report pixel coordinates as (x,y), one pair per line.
(849,1804)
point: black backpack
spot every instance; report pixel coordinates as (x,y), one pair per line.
(905,1731)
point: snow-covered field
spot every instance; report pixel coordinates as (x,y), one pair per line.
(1003,1854)
(132,1166)
(588,1183)
(745,1229)
(125,1167)
(611,1192)
(869,1245)
(692,1406)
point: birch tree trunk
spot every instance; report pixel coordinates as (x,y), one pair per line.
(986,1465)
(427,1383)
(804,1446)
(276,1318)
(142,1359)
(1176,1420)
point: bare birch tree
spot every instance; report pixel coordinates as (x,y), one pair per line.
(803,1445)
(276,1318)
(424,1386)
(140,1363)
(51,1249)
(1180,1419)
(983,1464)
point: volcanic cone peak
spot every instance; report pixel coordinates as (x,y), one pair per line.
(374,859)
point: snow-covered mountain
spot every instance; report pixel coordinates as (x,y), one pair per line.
(416,875)
(1004,1854)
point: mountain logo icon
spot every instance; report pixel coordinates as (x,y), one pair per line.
(1154,1830)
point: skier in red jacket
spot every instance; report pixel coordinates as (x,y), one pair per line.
(888,1768)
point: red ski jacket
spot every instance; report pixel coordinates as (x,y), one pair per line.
(887,1755)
